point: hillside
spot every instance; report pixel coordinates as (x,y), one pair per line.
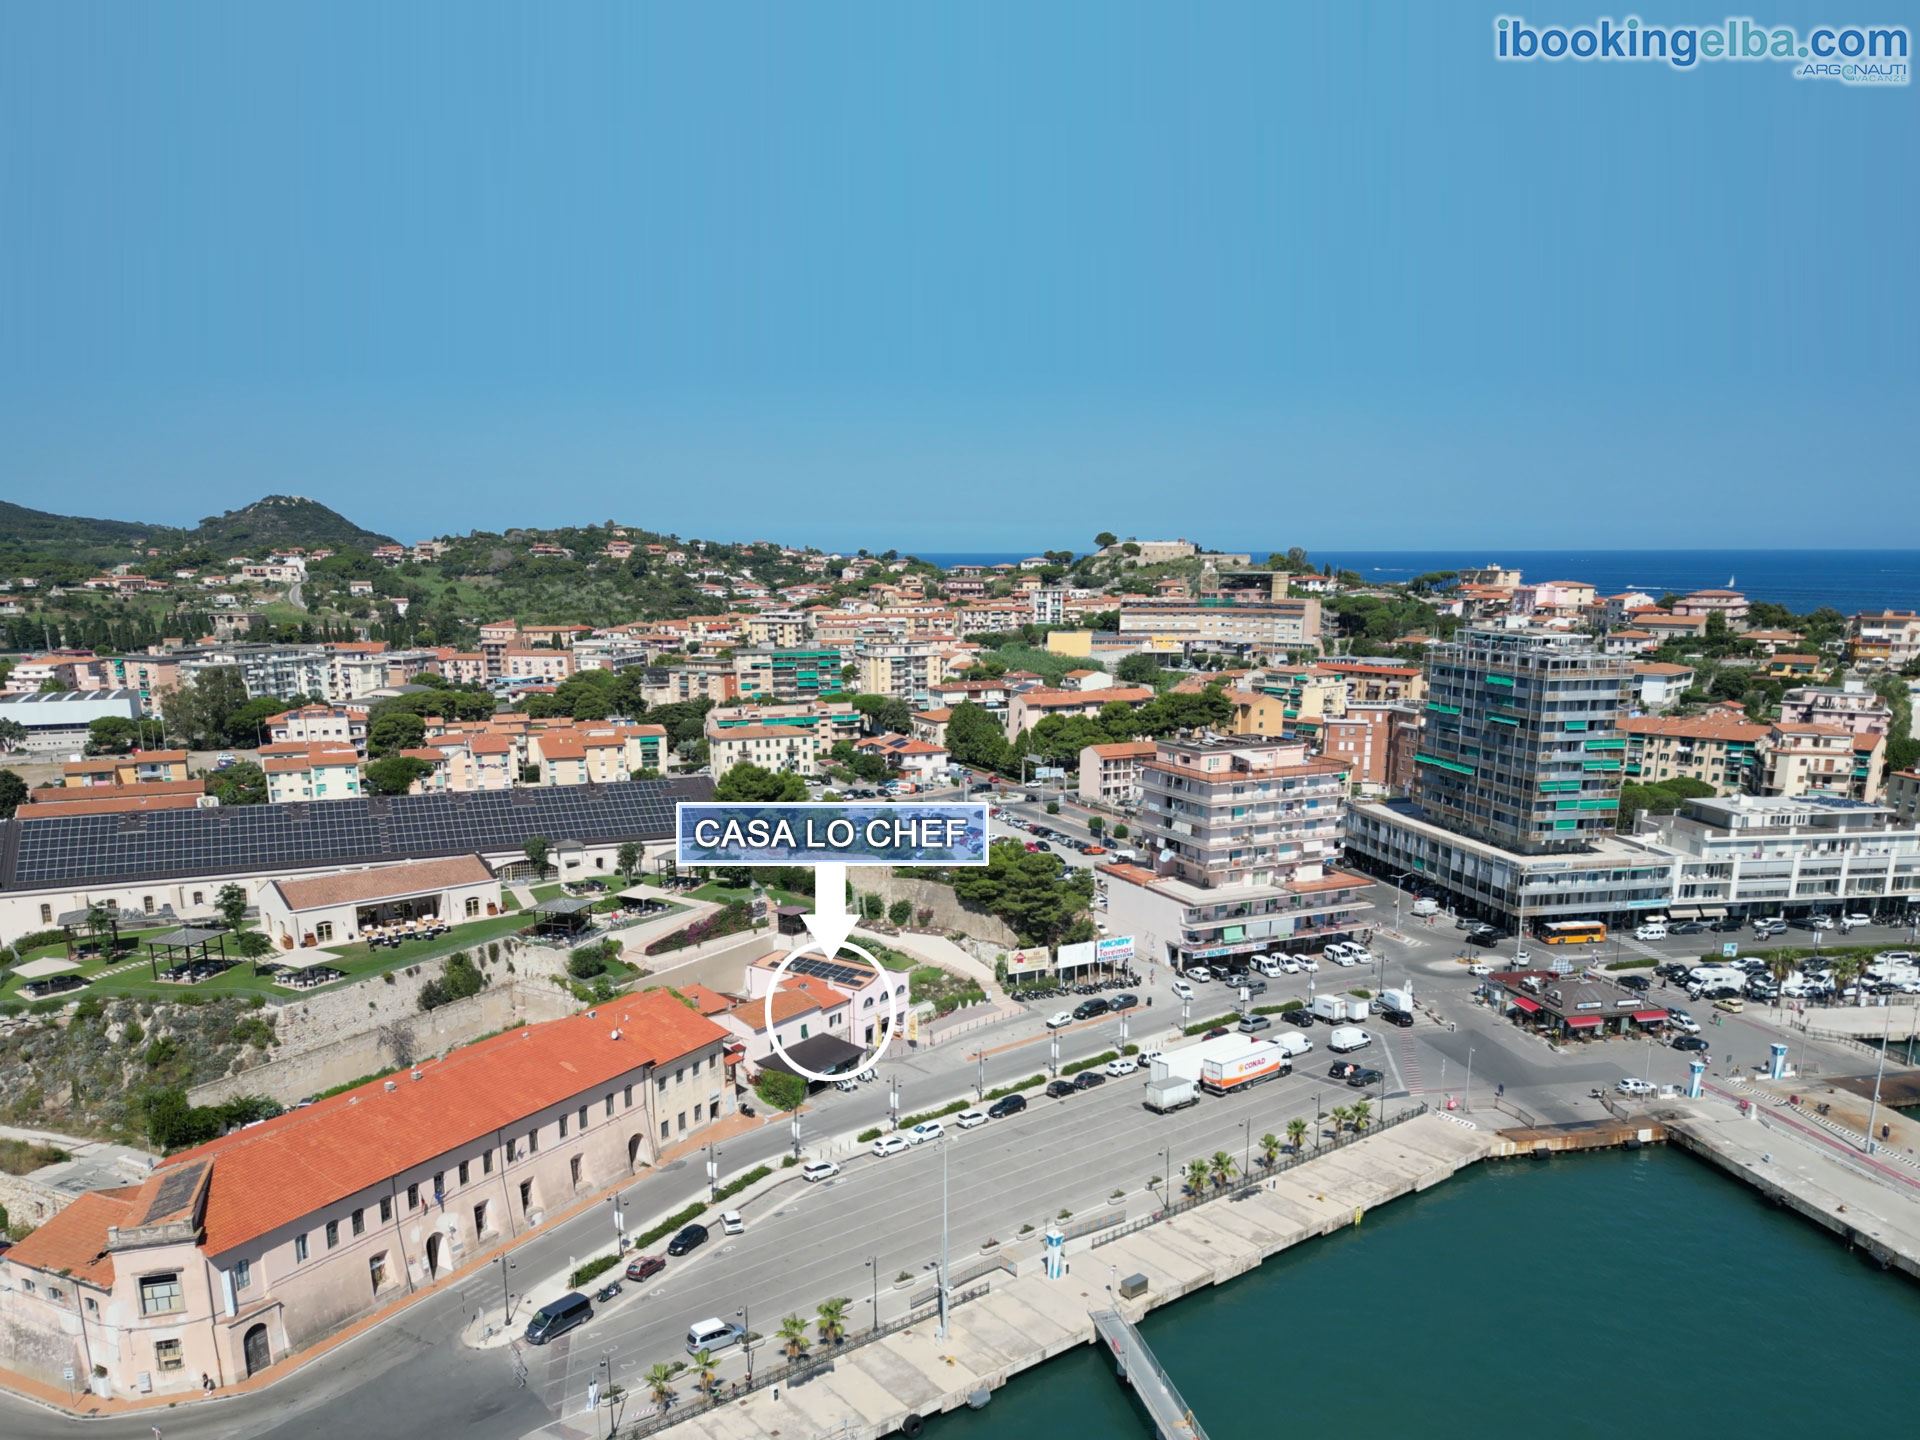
(39,527)
(276,521)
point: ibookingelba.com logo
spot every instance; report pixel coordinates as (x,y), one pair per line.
(1851,54)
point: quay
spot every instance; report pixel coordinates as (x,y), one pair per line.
(896,1382)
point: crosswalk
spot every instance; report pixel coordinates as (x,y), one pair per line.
(1408,1055)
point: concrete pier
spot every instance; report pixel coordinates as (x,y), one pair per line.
(896,1381)
(1172,1417)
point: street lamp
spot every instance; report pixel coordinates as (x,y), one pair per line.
(980,1074)
(617,1205)
(793,1122)
(713,1172)
(873,1272)
(1246,1163)
(941,1332)
(745,1312)
(1053,1053)
(1395,880)
(507,1266)
(1466,1102)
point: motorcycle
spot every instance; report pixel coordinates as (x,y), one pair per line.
(606,1293)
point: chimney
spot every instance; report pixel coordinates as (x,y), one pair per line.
(391,1087)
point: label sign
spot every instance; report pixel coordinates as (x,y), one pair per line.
(1730,950)
(1112,949)
(816,833)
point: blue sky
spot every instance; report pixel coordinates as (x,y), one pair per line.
(951,277)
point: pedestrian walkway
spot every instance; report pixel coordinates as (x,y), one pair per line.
(1171,1415)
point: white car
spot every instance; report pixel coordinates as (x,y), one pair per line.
(1309,965)
(815,1170)
(926,1130)
(1821,922)
(1183,990)
(1633,1085)
(1521,955)
(1479,967)
(1684,1023)
(890,1145)
(732,1223)
(1122,1065)
(1289,965)
(1361,955)
(1854,921)
(1059,1020)
(967,1119)
(1200,973)
(1147,1057)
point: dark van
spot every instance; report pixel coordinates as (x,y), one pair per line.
(553,1320)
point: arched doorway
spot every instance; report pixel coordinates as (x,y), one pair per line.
(433,1255)
(259,1351)
(633,1152)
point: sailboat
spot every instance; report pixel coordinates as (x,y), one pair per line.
(1729,582)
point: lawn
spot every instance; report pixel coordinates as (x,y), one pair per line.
(720,894)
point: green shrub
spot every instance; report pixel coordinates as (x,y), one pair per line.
(1003,1091)
(1076,1066)
(735,1186)
(1200,1027)
(1635,964)
(1361,994)
(599,1265)
(907,1122)
(870,1134)
(672,1223)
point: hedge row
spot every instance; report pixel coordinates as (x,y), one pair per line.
(1005,1090)
(1200,1027)
(1632,964)
(1076,1066)
(599,1265)
(672,1223)
(735,1186)
(907,1122)
(1292,1007)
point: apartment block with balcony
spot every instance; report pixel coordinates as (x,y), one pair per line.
(787,675)
(1799,760)
(907,670)
(1238,836)
(1278,627)
(779,737)
(1851,706)
(1110,773)
(1886,639)
(1717,750)
(298,772)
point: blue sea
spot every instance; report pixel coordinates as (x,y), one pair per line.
(1801,580)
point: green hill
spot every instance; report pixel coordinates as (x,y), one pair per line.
(38,527)
(276,521)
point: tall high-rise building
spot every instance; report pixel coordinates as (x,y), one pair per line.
(1522,746)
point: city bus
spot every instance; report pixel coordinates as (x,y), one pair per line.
(1573,932)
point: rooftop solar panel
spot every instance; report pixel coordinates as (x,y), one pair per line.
(260,839)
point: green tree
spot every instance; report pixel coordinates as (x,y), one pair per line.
(1140,670)
(706,1371)
(627,860)
(231,901)
(779,1090)
(539,851)
(793,1336)
(1222,1168)
(1269,1149)
(116,734)
(1095,826)
(1104,539)
(12,734)
(660,1383)
(1197,1172)
(749,782)
(244,783)
(975,738)
(13,793)
(395,731)
(832,1323)
(1296,1134)
(900,912)
(395,774)
(201,709)
(1339,1114)
(1361,1115)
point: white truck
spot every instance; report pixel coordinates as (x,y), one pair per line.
(1262,1060)
(1397,1000)
(1426,905)
(1170,1093)
(1337,1009)
(1347,1038)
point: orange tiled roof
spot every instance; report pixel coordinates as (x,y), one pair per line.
(74,1241)
(383,882)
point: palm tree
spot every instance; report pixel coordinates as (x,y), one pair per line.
(1846,969)
(1361,1113)
(1197,1171)
(706,1371)
(1222,1167)
(793,1336)
(660,1381)
(1297,1133)
(1269,1149)
(832,1323)
(1779,966)
(1339,1115)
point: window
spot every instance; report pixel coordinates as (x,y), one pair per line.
(359,1222)
(93,1306)
(574,1169)
(440,1186)
(377,1271)
(682,1118)
(526,1197)
(486,1162)
(473,906)
(333,1234)
(803,1030)
(46,914)
(679,1074)
(386,1210)
(199,897)
(299,1248)
(463,1172)
(167,1356)
(28,1285)
(160,1295)
(563,1127)
(146,903)
(661,1084)
(413,1196)
(665,1130)
(698,1108)
(533,1141)
(583,1117)
(480,1219)
(54,1294)
(628,1103)
(323,931)
(609,1103)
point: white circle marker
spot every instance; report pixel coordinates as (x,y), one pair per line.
(866,1061)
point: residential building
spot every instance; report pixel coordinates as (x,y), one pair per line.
(1238,839)
(1029,707)
(864,988)
(237,1254)
(154,676)
(137,767)
(1521,747)
(1665,626)
(1658,684)
(536,664)
(698,677)
(65,669)
(778,630)
(779,737)
(310,772)
(920,761)
(1561,600)
(801,673)
(334,725)
(1284,702)
(496,638)
(1800,759)
(1371,682)
(1887,639)
(1793,665)
(1716,749)
(904,669)
(1377,744)
(1278,627)
(1851,706)
(931,725)
(1048,605)
(1730,605)
(1110,773)
(1903,796)
(267,671)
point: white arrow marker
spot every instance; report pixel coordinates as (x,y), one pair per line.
(829,923)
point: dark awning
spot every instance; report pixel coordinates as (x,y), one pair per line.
(826,1054)
(564,905)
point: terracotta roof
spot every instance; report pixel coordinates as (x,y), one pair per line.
(149,789)
(1124,750)
(382,882)
(272,1175)
(1062,699)
(709,1002)
(1333,880)
(108,800)
(1695,727)
(1660,667)
(74,1241)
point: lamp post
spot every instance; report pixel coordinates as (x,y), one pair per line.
(617,1206)
(606,1387)
(1167,1175)
(1246,1163)
(1466,1102)
(980,1074)
(745,1312)
(1395,880)
(873,1273)
(507,1267)
(713,1172)
(1053,1053)
(1873,1109)
(893,1101)
(793,1122)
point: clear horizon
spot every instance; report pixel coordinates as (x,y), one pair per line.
(1126,274)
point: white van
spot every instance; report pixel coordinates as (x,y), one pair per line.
(1347,1038)
(1267,966)
(713,1334)
(1294,1042)
(1426,905)
(1650,930)
(1126,857)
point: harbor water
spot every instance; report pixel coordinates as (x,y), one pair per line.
(1598,1295)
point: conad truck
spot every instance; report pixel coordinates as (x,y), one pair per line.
(1261,1061)
(1171,1093)
(1337,1009)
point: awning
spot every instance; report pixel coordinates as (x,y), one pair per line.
(1520,1002)
(1651,1017)
(823,1053)
(1581,1022)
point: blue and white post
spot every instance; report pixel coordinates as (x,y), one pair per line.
(1056,1252)
(1695,1070)
(1777,1058)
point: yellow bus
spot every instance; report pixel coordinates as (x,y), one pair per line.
(1574,932)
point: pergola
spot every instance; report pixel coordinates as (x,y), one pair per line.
(563,916)
(92,923)
(644,898)
(187,946)
(304,968)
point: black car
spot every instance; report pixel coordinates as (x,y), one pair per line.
(981,788)
(1689,1042)
(1006,1105)
(1725,925)
(688,1239)
(1363,1077)
(1485,937)
(1059,1089)
(1672,971)
(1087,1009)
(1688,927)
(1125,1001)
(1087,1079)
(1397,1017)
(1341,1069)
(1635,982)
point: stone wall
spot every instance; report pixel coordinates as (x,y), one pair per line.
(949,911)
(28,1202)
(392,1032)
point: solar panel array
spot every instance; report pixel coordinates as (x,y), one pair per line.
(262,839)
(832,971)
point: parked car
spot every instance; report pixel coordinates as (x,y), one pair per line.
(1182,990)
(1215,1033)
(1087,1079)
(690,1238)
(1402,1018)
(926,1130)
(1479,967)
(1688,927)
(1725,925)
(816,1170)
(1199,974)
(1125,1001)
(1634,1085)
(1689,1042)
(967,1119)
(1683,1022)
(1006,1105)
(1122,1065)
(1059,1020)
(1732,1004)
(732,1222)
(1147,1057)
(644,1267)
(1635,982)
(890,1145)
(1059,1089)
(1361,1077)
(1088,1009)
(1249,1024)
